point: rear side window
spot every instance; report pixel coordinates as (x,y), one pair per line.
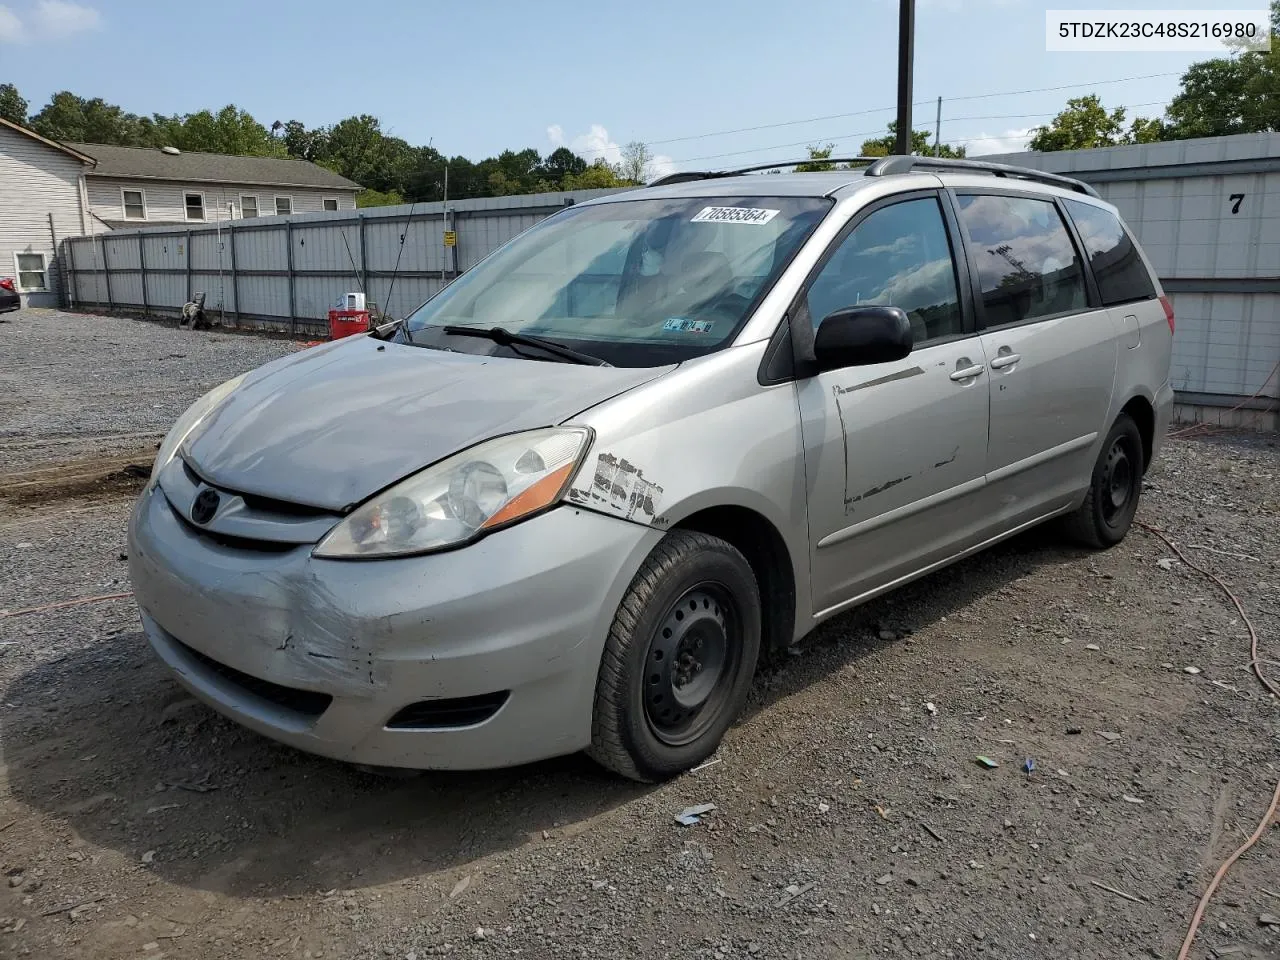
(1026,262)
(1122,276)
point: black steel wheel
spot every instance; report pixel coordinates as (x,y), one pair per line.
(1107,512)
(678,660)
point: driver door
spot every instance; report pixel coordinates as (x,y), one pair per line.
(895,453)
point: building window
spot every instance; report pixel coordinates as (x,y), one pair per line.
(135,204)
(330,203)
(284,206)
(248,206)
(32,276)
(195,205)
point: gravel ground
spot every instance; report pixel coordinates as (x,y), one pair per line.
(74,384)
(852,820)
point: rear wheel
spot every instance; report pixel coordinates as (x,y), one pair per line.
(1107,512)
(679,658)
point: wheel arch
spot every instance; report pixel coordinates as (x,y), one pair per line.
(1143,413)
(770,558)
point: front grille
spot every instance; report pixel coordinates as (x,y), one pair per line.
(235,543)
(256,502)
(306,702)
(448,713)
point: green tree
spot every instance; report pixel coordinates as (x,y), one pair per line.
(637,160)
(1238,93)
(597,176)
(302,143)
(12,107)
(230,130)
(69,117)
(819,159)
(921,144)
(1085,124)
(378,198)
(562,163)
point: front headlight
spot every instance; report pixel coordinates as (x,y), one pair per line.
(493,484)
(188,422)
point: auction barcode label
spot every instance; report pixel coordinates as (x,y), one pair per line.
(753,215)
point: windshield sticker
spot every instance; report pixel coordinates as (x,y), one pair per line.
(682,325)
(751,215)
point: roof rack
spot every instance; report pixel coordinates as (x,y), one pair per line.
(886,166)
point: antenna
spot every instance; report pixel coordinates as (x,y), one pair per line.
(359,282)
(392,285)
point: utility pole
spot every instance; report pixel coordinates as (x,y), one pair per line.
(906,51)
(937,132)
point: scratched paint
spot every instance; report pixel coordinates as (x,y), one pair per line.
(880,489)
(951,459)
(621,486)
(879,381)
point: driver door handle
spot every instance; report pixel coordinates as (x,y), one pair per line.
(1005,360)
(967,373)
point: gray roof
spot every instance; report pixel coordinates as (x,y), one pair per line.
(152,163)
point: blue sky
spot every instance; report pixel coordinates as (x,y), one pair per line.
(480,76)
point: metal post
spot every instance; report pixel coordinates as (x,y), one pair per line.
(288,239)
(235,280)
(906,51)
(444,225)
(937,132)
(74,289)
(142,268)
(188,266)
(106,272)
(364,258)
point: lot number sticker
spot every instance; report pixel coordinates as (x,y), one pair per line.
(751,215)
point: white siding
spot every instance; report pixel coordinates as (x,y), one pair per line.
(165,199)
(35,181)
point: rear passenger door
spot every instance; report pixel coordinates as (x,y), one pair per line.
(1051,350)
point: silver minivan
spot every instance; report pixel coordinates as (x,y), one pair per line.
(572,500)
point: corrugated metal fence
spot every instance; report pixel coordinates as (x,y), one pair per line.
(1207,212)
(286,273)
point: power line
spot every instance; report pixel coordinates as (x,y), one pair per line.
(863,113)
(871,133)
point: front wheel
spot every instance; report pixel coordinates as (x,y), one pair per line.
(679,659)
(1104,518)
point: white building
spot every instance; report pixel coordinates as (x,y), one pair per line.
(50,191)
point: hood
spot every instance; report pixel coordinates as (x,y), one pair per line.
(330,426)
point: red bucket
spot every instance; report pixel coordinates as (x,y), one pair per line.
(347,323)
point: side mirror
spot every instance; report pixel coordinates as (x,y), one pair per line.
(857,336)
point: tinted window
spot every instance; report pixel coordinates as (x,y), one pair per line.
(898,256)
(1121,274)
(1026,262)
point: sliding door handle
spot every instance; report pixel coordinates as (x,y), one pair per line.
(1005,360)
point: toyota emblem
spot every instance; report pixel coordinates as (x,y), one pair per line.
(206,506)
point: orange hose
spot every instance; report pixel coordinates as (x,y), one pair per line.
(1202,425)
(1222,872)
(1198,918)
(5,614)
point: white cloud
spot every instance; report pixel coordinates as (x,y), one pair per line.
(1011,141)
(11,30)
(596,144)
(62,18)
(47,20)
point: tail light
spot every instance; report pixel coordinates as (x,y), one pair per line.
(1168,311)
(6,283)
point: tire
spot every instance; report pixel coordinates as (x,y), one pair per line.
(1108,509)
(679,659)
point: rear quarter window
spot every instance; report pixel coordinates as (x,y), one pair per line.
(1122,276)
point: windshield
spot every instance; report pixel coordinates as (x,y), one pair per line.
(636,283)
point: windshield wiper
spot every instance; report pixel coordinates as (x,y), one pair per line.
(505,338)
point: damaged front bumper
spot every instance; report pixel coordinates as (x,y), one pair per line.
(476,658)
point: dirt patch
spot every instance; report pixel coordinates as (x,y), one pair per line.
(853,819)
(100,478)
